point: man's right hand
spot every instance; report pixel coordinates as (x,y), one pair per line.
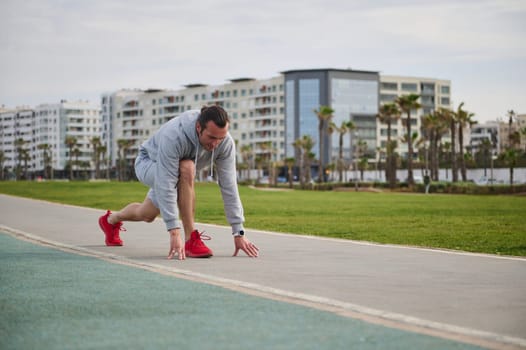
(176,244)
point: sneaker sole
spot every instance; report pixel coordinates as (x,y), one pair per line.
(109,244)
(201,256)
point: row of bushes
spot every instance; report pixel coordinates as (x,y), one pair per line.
(470,188)
(435,187)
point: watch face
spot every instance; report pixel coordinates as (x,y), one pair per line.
(241,233)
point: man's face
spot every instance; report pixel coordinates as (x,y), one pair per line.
(211,136)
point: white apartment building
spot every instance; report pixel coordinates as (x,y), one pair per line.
(55,122)
(434,94)
(487,132)
(518,124)
(50,124)
(256,109)
(15,134)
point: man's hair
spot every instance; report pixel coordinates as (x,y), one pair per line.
(213,113)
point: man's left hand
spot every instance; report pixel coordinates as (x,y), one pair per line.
(241,243)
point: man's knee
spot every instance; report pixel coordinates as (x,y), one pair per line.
(148,218)
(186,171)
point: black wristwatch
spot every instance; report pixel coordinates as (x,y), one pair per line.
(239,233)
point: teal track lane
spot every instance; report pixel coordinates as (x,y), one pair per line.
(51,299)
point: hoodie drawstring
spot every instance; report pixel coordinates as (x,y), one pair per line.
(212,165)
(211,161)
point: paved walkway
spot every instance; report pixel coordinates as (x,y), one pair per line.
(477,299)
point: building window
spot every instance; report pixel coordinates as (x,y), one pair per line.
(428,88)
(409,87)
(444,89)
(389,86)
(394,132)
(309,100)
(387,97)
(289,117)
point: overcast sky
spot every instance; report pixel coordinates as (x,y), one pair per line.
(59,49)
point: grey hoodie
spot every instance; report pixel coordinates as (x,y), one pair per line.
(178,140)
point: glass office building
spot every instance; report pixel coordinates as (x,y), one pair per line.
(353,95)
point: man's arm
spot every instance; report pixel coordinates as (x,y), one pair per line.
(227,179)
(165,186)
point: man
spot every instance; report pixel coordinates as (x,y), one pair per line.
(167,163)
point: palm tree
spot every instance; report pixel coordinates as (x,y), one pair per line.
(389,113)
(246,156)
(464,118)
(19,146)
(290,165)
(95,143)
(70,142)
(267,149)
(510,156)
(101,151)
(298,146)
(304,145)
(406,103)
(444,151)
(77,153)
(26,158)
(324,117)
(122,146)
(259,166)
(512,153)
(451,119)
(428,135)
(346,126)
(433,128)
(46,154)
(363,161)
(441,127)
(101,154)
(511,118)
(483,154)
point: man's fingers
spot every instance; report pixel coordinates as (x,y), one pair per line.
(252,251)
(171,254)
(182,254)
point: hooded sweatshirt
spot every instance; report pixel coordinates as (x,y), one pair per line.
(178,140)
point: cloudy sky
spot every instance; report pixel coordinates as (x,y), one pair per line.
(73,49)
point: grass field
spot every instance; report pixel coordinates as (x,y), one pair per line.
(488,224)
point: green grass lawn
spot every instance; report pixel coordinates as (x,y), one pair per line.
(488,224)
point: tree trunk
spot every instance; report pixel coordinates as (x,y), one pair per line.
(454,173)
(410,179)
(461,153)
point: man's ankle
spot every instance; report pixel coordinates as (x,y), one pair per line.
(110,219)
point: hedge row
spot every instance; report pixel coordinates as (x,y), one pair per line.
(436,187)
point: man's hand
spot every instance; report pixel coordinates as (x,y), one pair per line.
(241,243)
(176,244)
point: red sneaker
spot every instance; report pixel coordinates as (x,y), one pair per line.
(111,231)
(195,248)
